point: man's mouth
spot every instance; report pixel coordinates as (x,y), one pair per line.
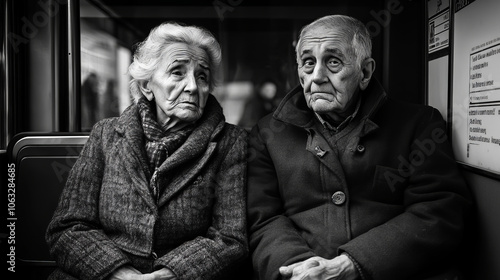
(322,95)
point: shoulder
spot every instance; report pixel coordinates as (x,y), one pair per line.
(234,131)
(104,126)
(406,112)
(102,132)
(408,119)
(266,120)
(269,129)
(270,123)
(410,108)
(232,137)
(232,142)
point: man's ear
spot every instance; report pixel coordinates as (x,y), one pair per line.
(143,85)
(367,69)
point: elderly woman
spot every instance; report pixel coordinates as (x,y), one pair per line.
(159,192)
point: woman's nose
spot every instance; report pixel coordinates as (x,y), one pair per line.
(191,85)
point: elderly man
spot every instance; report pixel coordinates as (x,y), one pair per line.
(345,183)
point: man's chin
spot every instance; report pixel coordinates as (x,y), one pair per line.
(323,107)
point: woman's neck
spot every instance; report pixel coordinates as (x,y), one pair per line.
(169,123)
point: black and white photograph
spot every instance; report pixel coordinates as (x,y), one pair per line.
(250,139)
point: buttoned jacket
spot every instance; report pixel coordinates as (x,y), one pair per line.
(107,216)
(385,189)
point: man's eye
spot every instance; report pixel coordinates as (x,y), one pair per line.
(334,62)
(308,63)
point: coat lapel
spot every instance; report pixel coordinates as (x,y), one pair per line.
(194,154)
(318,146)
(188,174)
(130,147)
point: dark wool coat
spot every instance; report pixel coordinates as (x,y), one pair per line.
(107,216)
(385,189)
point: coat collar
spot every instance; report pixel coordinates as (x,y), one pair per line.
(209,125)
(194,153)
(293,108)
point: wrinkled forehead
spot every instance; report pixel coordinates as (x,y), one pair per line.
(185,54)
(328,38)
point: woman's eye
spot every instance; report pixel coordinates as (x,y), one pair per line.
(177,73)
(203,77)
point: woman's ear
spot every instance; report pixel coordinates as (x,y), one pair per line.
(367,69)
(146,91)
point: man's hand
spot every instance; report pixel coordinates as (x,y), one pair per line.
(318,268)
(130,273)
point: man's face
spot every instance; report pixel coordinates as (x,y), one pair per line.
(328,71)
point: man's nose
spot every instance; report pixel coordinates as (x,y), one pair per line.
(191,85)
(319,74)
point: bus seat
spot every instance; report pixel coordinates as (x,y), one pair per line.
(42,163)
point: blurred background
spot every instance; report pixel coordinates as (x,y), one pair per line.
(67,60)
(63,67)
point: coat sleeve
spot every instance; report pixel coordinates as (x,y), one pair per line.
(274,241)
(225,243)
(436,200)
(74,235)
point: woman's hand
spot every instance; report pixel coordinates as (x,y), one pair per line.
(162,274)
(130,273)
(126,272)
(316,268)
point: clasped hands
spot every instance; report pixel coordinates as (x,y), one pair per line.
(130,273)
(318,268)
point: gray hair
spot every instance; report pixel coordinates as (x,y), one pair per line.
(149,52)
(352,30)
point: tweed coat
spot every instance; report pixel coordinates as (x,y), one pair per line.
(107,216)
(385,189)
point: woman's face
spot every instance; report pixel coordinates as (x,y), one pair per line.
(180,84)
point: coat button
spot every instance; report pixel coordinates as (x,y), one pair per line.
(319,152)
(338,198)
(154,255)
(360,148)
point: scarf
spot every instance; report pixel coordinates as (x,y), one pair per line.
(159,143)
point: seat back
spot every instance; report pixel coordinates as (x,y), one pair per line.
(42,163)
